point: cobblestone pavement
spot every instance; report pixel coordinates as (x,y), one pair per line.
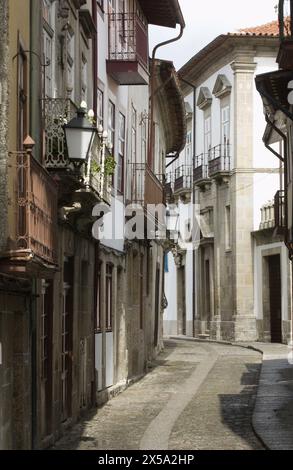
(197,396)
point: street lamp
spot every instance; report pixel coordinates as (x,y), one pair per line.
(79,134)
(172,219)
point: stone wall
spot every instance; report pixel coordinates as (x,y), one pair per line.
(3,119)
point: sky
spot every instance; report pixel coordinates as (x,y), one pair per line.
(205,20)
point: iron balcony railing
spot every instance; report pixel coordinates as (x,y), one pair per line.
(169,185)
(128,38)
(200,169)
(183,178)
(33,208)
(146,187)
(56,113)
(279,210)
(219,158)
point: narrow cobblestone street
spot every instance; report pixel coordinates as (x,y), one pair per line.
(198,396)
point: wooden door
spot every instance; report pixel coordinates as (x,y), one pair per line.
(275,298)
(67,339)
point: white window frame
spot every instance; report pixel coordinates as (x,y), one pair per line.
(225,125)
(133,134)
(111,123)
(100,107)
(207,133)
(121,152)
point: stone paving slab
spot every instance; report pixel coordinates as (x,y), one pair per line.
(273,413)
(197,396)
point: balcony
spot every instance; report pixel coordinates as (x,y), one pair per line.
(273,214)
(219,161)
(91,182)
(183,180)
(279,212)
(267,216)
(32,210)
(200,171)
(128,49)
(146,187)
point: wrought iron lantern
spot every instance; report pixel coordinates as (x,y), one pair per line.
(79,133)
(172,219)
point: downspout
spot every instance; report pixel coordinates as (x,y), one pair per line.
(95,56)
(193,195)
(151,121)
(35,125)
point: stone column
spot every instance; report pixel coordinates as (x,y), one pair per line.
(242,200)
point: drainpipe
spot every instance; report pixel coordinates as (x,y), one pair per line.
(95,56)
(96,256)
(152,100)
(193,192)
(35,126)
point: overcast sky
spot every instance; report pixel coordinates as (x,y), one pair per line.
(206,19)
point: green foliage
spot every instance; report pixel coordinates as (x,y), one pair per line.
(110,165)
(95,167)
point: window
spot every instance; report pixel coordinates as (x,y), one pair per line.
(48,36)
(47,10)
(141,277)
(228,227)
(84,78)
(121,153)
(144,141)
(100,109)
(112,6)
(111,124)
(109,297)
(225,125)
(101,4)
(70,63)
(47,59)
(188,150)
(207,135)
(46,328)
(98,326)
(133,134)
(22,97)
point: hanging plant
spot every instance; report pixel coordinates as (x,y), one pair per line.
(110,165)
(95,168)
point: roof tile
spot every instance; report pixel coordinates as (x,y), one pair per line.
(268,29)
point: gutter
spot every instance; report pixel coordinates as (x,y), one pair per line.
(95,57)
(152,90)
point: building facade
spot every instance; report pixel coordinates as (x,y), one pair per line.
(129,327)
(241,274)
(80,313)
(274,88)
